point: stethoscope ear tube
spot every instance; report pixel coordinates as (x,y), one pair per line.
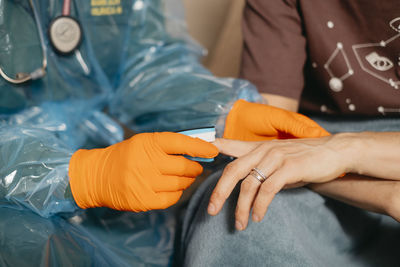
(38,73)
(65,34)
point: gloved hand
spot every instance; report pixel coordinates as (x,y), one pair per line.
(257,122)
(142,173)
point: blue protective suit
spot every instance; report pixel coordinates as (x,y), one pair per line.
(137,66)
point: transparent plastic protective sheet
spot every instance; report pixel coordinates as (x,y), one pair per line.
(76,123)
(162,85)
(40,180)
(33,165)
(77,76)
(35,148)
(136,66)
(98,237)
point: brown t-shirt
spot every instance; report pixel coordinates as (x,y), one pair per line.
(335,56)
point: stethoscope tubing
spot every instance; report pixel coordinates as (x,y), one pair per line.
(41,36)
(66,8)
(40,72)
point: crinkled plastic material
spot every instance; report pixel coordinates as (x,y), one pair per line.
(78,76)
(98,237)
(40,180)
(76,123)
(136,66)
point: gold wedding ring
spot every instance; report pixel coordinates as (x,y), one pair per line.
(256,173)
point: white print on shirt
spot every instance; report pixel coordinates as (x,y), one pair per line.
(324,108)
(336,83)
(388,110)
(378,62)
(371,59)
(351,106)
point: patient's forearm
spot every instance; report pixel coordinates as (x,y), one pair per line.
(282,102)
(382,196)
(373,154)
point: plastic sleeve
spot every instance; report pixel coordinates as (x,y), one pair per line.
(34,171)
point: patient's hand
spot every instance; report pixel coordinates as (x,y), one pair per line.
(285,163)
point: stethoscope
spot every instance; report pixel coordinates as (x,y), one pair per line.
(65,35)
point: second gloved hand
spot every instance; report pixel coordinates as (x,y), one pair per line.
(142,173)
(257,122)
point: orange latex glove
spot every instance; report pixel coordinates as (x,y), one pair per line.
(138,174)
(257,122)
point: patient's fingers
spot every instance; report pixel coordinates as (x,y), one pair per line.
(233,173)
(279,172)
(248,191)
(236,171)
(267,192)
(235,148)
(271,162)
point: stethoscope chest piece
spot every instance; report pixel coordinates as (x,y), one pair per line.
(65,34)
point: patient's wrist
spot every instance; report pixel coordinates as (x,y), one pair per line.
(350,147)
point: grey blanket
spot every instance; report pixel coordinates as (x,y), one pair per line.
(301,227)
